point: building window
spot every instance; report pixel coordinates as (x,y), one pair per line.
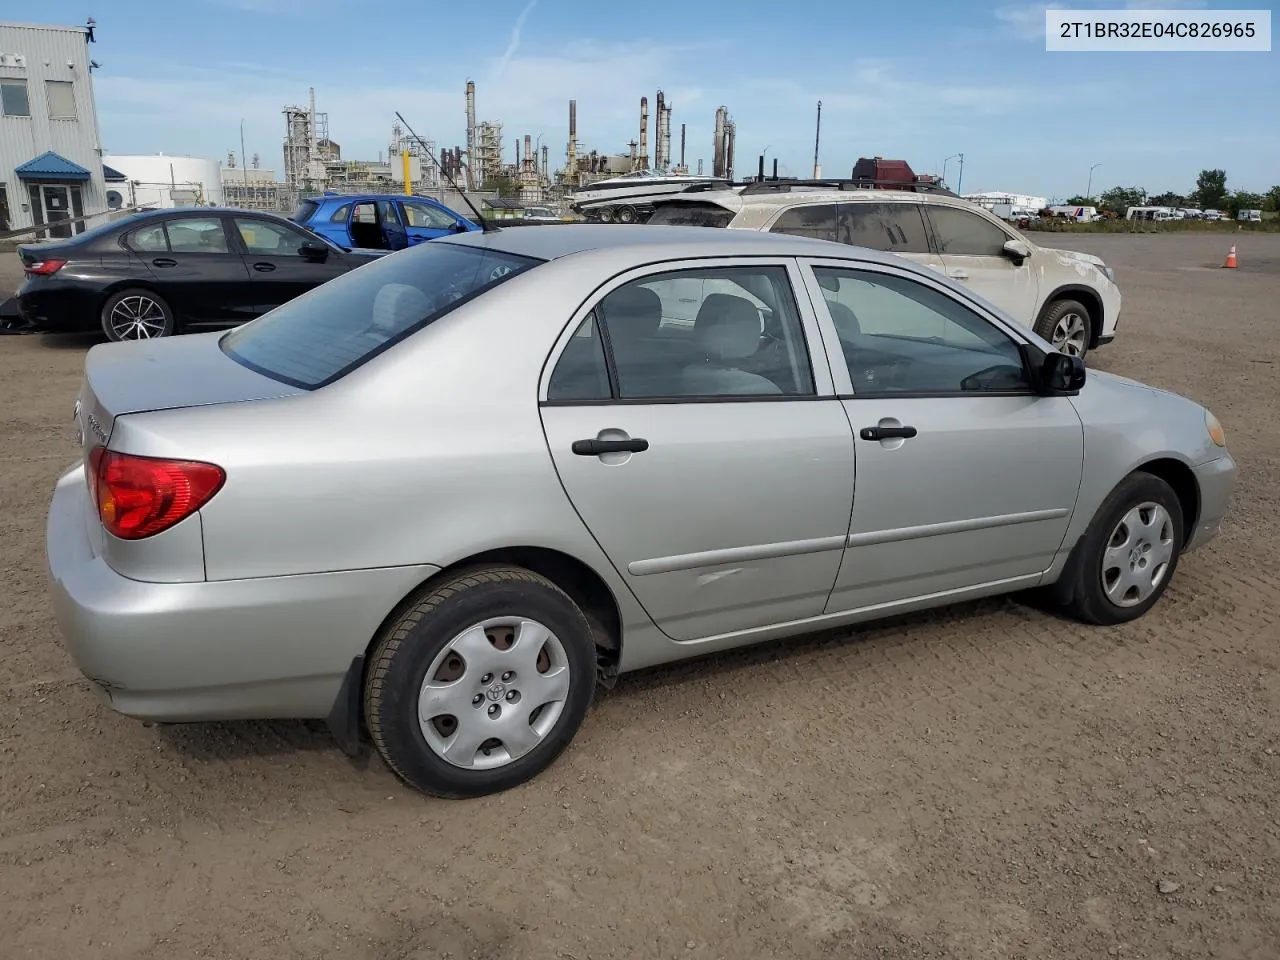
(4,208)
(13,98)
(62,99)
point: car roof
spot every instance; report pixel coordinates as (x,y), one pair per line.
(555,241)
(350,197)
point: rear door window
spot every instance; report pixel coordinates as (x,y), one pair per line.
(816,220)
(306,210)
(327,332)
(149,239)
(892,227)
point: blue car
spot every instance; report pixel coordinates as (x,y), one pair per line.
(379,221)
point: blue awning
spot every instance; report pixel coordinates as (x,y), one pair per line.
(50,166)
(112,175)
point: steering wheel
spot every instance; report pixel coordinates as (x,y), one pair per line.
(875,369)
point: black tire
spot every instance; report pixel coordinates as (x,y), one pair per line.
(606,215)
(626,214)
(405,652)
(1061,312)
(138,301)
(1089,601)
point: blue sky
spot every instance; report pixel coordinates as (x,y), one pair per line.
(917,82)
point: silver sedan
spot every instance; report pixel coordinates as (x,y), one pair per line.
(439,500)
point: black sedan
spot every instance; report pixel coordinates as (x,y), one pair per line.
(157,273)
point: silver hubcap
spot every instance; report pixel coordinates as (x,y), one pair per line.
(136,318)
(493,693)
(1071,334)
(1138,555)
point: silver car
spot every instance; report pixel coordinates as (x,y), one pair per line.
(439,500)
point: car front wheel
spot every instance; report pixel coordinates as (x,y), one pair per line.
(1068,326)
(479,685)
(1128,554)
(136,315)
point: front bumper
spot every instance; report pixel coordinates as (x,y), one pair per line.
(274,647)
(1216,480)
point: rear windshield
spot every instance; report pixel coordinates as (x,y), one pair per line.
(326,333)
(305,210)
(686,214)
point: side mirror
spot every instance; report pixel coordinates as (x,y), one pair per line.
(459,227)
(313,251)
(1017,251)
(1061,375)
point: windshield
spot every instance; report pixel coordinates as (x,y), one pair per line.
(325,334)
(687,214)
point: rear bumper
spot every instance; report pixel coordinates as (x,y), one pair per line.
(1217,481)
(274,647)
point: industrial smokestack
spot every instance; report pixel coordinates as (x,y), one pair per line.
(817,134)
(775,168)
(644,133)
(662,134)
(717,153)
(731,137)
(760,175)
(573,144)
(529,158)
(682,146)
(471,133)
(519,169)
(546,170)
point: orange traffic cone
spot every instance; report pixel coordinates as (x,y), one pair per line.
(1231,258)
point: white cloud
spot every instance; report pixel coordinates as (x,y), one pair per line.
(1025,21)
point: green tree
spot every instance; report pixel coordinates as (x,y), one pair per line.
(1168,199)
(1243,200)
(1079,202)
(1211,189)
(1271,200)
(503,184)
(1119,199)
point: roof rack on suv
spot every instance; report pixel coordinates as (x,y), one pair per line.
(858,183)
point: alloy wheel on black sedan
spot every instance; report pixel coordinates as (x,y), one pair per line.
(136,315)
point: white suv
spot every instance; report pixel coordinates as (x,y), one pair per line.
(1068,298)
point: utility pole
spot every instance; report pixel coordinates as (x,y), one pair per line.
(960,178)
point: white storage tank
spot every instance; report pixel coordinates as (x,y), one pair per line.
(162,180)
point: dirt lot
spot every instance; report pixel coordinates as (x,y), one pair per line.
(985,782)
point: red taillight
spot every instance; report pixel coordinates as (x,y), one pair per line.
(138,497)
(43,268)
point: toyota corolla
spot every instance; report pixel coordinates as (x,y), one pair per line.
(440,499)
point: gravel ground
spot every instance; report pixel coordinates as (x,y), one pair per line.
(983,782)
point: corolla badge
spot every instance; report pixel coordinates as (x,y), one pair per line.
(75,415)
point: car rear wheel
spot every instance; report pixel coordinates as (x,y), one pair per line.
(480,684)
(1068,326)
(1129,552)
(136,315)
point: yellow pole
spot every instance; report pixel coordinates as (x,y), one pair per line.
(404,159)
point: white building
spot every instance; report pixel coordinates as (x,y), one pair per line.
(163,181)
(1019,201)
(50,156)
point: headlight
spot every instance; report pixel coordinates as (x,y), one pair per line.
(1216,433)
(1107,272)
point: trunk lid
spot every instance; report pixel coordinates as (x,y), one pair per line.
(184,371)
